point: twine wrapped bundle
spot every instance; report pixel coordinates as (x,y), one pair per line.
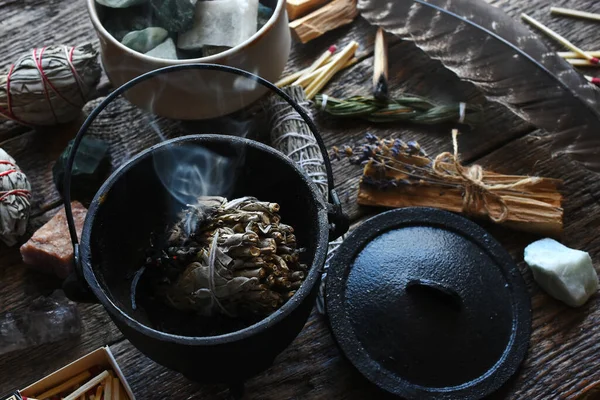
(399,174)
(291,135)
(49,86)
(15,192)
(229,257)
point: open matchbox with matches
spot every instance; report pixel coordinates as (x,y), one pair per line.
(95,376)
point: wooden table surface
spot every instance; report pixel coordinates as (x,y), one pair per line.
(564,355)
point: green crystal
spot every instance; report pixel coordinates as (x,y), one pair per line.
(264,14)
(174,15)
(92,164)
(120,22)
(146,39)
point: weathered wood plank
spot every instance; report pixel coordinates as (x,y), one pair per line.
(21,285)
(562,359)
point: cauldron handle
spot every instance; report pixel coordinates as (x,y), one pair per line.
(338,221)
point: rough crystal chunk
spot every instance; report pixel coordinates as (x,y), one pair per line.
(166,50)
(174,15)
(566,274)
(146,39)
(50,248)
(120,3)
(221,23)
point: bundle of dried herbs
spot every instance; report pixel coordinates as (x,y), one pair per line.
(399,174)
(15,193)
(408,107)
(49,86)
(232,258)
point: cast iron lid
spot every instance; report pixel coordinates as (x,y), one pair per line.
(427,305)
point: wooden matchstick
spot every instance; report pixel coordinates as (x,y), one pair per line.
(593,79)
(572,54)
(76,380)
(325,57)
(323,78)
(305,80)
(560,39)
(380,67)
(575,13)
(321,60)
(116,391)
(89,385)
(578,62)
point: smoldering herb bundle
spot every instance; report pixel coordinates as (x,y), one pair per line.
(229,258)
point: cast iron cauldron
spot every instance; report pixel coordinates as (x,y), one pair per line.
(133,203)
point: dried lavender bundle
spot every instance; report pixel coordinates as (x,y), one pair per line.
(49,86)
(409,107)
(229,257)
(399,174)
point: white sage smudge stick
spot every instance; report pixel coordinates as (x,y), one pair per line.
(15,192)
(291,135)
(50,85)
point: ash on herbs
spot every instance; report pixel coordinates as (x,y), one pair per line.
(232,258)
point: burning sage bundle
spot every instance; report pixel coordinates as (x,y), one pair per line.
(232,258)
(49,86)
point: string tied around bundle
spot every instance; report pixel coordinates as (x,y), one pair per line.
(477,193)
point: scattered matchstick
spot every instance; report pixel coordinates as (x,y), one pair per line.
(305,80)
(572,54)
(578,62)
(318,63)
(574,13)
(560,39)
(593,79)
(340,60)
(321,60)
(380,67)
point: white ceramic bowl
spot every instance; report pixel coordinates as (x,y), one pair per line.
(192,94)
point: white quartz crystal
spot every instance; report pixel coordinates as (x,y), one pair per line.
(164,50)
(566,274)
(220,23)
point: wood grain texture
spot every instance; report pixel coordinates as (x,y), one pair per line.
(563,360)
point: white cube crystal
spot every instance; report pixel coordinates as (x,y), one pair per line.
(566,274)
(220,23)
(164,50)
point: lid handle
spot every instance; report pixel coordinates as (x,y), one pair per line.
(435,291)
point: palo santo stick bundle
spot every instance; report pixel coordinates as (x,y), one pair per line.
(550,33)
(325,19)
(398,174)
(298,8)
(380,67)
(574,13)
